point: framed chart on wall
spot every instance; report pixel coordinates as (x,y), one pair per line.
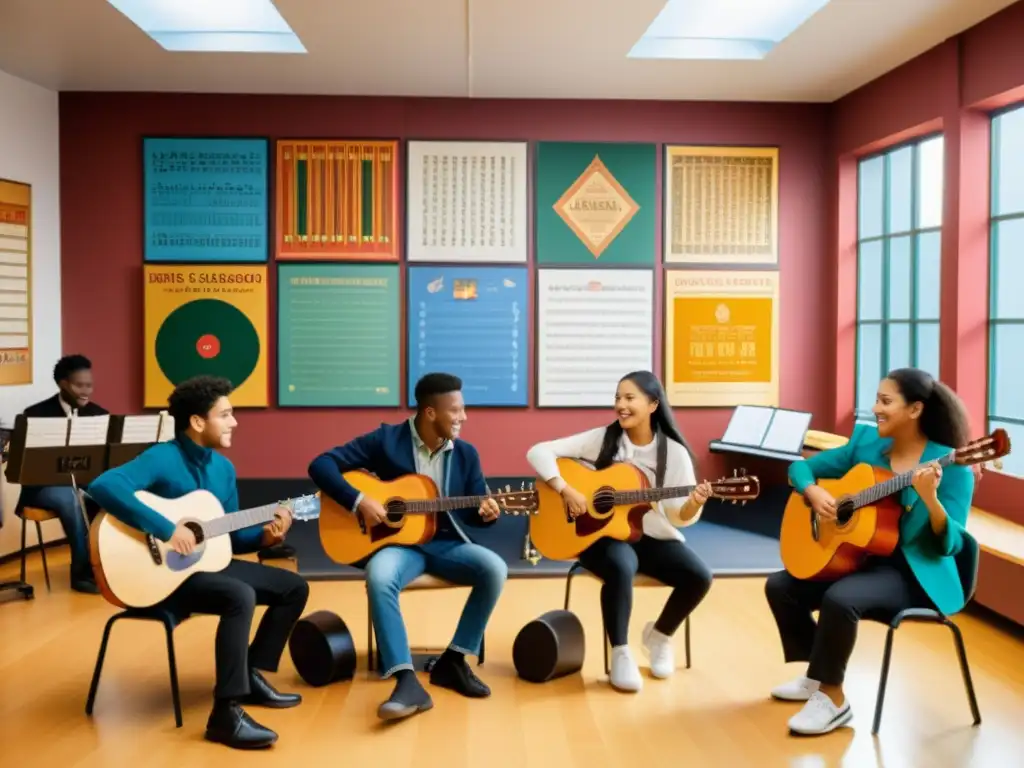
(338,335)
(206,319)
(721,338)
(15,283)
(337,200)
(722,205)
(466,201)
(593,327)
(205,200)
(470,321)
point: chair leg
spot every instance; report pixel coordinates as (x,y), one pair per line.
(965,670)
(94,686)
(172,663)
(886,658)
(369,636)
(480,658)
(24,553)
(42,552)
(686,640)
(568,587)
(607,644)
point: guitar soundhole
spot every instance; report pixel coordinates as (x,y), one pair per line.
(603,500)
(396,511)
(844,511)
(197,531)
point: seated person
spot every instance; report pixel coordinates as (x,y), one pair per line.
(426,444)
(204,423)
(919,420)
(73,375)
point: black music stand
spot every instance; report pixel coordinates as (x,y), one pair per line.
(131,435)
(765,432)
(56,451)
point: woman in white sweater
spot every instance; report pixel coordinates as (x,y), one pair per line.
(644,431)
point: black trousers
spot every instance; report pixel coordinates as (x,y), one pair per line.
(617,563)
(233,594)
(880,590)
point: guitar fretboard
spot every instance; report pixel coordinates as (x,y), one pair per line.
(893,485)
(447,504)
(243,518)
(652,494)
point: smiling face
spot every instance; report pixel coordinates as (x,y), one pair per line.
(215,429)
(76,389)
(632,406)
(447,414)
(892,412)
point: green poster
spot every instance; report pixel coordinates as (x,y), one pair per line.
(337,337)
(595,203)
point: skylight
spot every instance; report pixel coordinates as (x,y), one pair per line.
(722,29)
(235,26)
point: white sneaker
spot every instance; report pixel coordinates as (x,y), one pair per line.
(796,690)
(820,715)
(625,674)
(658,648)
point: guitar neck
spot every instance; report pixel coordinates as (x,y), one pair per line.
(426,506)
(244,518)
(652,494)
(894,484)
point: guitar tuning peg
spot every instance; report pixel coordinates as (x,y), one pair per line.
(508,488)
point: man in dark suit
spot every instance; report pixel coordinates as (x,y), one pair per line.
(73,375)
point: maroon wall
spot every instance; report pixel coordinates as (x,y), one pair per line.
(101,216)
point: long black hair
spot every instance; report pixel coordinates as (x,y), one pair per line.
(663,424)
(944,419)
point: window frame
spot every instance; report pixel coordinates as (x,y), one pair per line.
(885,239)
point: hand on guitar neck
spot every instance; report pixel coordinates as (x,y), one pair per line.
(925,481)
(183,540)
(576,502)
(373,511)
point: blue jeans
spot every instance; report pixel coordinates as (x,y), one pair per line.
(391,569)
(61,500)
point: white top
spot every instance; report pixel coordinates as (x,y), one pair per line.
(661,521)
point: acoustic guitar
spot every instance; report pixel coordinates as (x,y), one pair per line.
(867,515)
(136,570)
(618,497)
(412,503)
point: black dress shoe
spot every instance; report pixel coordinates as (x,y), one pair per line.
(230,725)
(85,586)
(408,698)
(263,694)
(456,674)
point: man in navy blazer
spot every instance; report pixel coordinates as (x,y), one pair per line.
(425,444)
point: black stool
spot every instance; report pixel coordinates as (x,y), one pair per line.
(551,646)
(322,649)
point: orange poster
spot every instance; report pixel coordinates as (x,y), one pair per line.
(721,338)
(15,283)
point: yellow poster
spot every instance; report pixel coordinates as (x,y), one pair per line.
(206,320)
(15,283)
(721,338)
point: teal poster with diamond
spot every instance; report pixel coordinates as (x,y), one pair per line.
(595,203)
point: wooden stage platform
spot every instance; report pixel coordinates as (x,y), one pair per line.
(717,713)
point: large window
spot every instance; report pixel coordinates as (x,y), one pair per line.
(1006,290)
(899,218)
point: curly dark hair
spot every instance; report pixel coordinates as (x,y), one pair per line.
(196,397)
(70,364)
(433,385)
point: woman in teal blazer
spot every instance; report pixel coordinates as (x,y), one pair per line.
(919,420)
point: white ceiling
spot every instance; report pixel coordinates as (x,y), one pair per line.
(477,48)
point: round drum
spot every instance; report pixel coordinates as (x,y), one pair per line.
(551,646)
(322,649)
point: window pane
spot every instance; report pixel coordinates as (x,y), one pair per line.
(899,278)
(1007,278)
(929,183)
(899,346)
(928,348)
(869,365)
(1007,154)
(1013,463)
(869,198)
(1006,371)
(901,184)
(929,267)
(869,281)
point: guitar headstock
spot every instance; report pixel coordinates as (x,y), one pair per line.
(741,487)
(303,507)
(522,502)
(990,448)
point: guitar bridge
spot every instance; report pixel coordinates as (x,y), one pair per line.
(154,550)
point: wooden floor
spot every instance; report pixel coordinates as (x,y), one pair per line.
(716,714)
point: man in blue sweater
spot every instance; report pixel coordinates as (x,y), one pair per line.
(425,444)
(203,423)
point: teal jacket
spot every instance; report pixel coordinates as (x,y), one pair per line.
(171,470)
(930,557)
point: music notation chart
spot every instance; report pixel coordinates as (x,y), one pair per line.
(471,322)
(205,200)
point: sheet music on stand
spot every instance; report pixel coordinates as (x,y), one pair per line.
(772,433)
(132,435)
(87,430)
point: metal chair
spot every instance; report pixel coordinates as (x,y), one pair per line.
(38,516)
